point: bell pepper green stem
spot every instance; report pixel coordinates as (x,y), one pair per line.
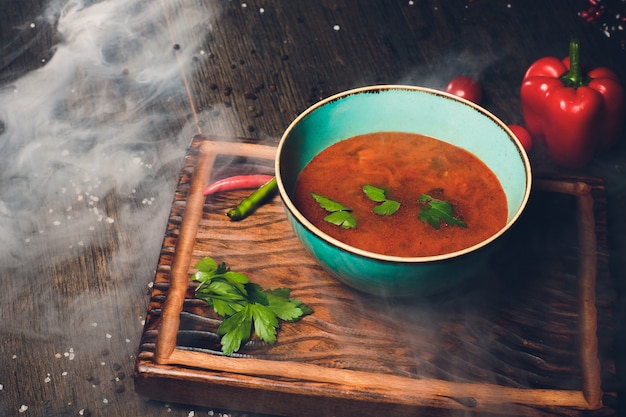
(259,197)
(574,77)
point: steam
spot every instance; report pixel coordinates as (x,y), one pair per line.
(85,126)
(88,144)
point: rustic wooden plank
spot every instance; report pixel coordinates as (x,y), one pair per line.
(366,348)
(287,57)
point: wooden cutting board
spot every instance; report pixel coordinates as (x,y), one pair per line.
(530,335)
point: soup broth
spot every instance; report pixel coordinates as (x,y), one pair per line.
(406,166)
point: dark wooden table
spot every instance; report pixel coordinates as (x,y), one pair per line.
(99,102)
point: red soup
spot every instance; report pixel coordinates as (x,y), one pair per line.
(407,167)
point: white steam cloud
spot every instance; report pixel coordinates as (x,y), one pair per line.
(85,126)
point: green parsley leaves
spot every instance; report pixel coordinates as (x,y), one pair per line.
(386,207)
(434,211)
(247,308)
(340,215)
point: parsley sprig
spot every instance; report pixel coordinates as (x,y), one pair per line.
(434,211)
(247,308)
(340,215)
(386,207)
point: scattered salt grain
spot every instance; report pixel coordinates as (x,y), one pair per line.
(336,27)
(127,340)
(1,387)
(64,373)
(411,2)
(32,25)
(94,324)
(244,5)
(69,354)
(261,10)
(191,414)
(47,379)
(105,401)
(57,355)
(14,357)
(108,336)
(110,220)
(23,408)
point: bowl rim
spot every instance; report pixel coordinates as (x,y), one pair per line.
(391,258)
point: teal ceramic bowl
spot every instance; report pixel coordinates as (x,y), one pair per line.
(400,109)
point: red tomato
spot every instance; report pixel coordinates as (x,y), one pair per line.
(523,136)
(465,87)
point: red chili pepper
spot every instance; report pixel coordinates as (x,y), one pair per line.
(577,114)
(238,182)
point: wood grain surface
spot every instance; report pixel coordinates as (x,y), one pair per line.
(99,103)
(363,349)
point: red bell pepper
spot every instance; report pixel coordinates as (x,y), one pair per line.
(577,114)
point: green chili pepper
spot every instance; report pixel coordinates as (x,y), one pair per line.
(255,200)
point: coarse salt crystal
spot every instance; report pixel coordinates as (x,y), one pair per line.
(336,27)
(108,336)
(23,408)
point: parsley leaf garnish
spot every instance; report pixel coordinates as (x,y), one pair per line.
(434,211)
(386,207)
(340,215)
(247,308)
